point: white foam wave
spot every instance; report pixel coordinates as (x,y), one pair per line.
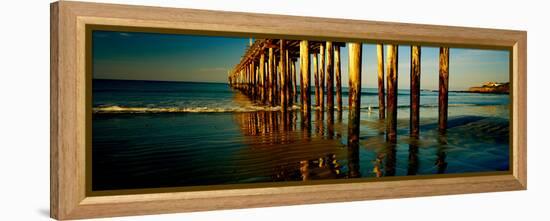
(120,109)
(222,109)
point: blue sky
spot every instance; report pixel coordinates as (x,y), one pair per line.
(168,57)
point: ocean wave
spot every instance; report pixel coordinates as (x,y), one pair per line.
(234,109)
(121,109)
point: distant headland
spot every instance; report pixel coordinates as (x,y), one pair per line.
(491,87)
(486,88)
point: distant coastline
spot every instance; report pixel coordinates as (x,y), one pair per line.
(486,88)
(492,87)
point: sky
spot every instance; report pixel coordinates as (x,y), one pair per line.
(175,57)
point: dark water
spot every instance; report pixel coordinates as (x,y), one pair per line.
(170,134)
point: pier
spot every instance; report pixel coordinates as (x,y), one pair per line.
(267,74)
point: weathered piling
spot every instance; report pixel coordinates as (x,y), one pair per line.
(381,88)
(277,66)
(294,85)
(391,122)
(330,89)
(338,76)
(304,84)
(262,76)
(282,86)
(415,91)
(322,76)
(248,77)
(316,77)
(354,107)
(330,77)
(443,87)
(266,81)
(254,80)
(288,77)
(271,74)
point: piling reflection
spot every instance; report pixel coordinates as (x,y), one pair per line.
(309,149)
(319,125)
(330,124)
(389,167)
(305,157)
(412,168)
(353,160)
(305,124)
(441,155)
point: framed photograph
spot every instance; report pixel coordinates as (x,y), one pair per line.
(161,110)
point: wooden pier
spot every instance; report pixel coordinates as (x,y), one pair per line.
(273,80)
(267,75)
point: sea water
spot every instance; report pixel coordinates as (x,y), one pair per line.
(149,134)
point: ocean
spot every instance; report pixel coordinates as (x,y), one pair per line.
(151,134)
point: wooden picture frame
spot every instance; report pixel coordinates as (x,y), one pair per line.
(68,196)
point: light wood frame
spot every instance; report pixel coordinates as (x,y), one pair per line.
(68,99)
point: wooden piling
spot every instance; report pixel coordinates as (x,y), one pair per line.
(391,122)
(415,91)
(330,77)
(254,80)
(443,87)
(283,79)
(267,80)
(316,77)
(247,79)
(322,76)
(381,89)
(354,93)
(262,76)
(294,85)
(338,76)
(277,67)
(288,77)
(241,77)
(304,85)
(271,77)
(257,84)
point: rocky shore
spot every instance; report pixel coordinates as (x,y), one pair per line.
(492,87)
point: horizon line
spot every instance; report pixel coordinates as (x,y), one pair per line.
(211,82)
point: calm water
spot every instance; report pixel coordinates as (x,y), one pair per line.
(168,134)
